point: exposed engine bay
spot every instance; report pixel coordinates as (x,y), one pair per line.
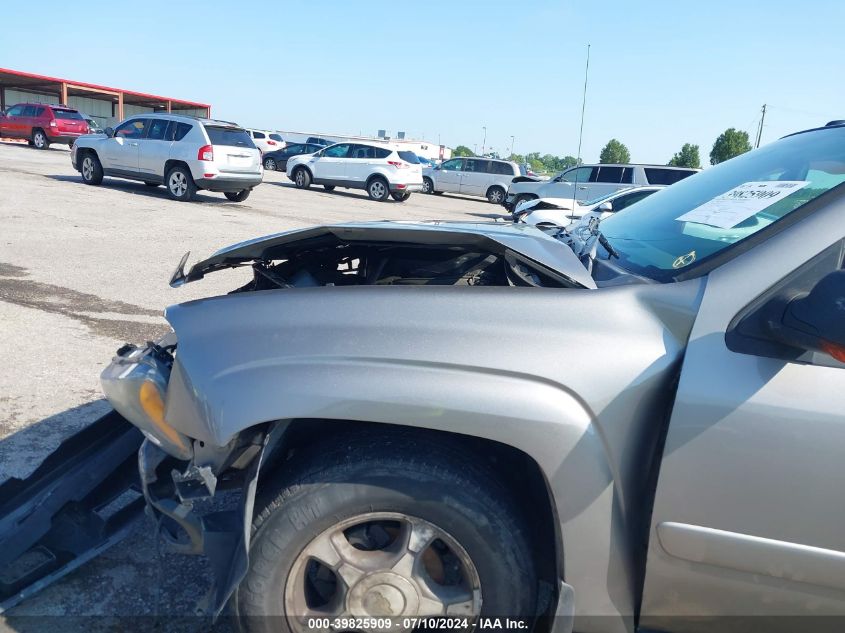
(388,264)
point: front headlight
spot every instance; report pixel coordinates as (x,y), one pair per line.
(135,384)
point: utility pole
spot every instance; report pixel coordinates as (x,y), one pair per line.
(760,129)
(484,142)
(511,154)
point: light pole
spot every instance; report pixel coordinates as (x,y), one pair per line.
(511,154)
(484,142)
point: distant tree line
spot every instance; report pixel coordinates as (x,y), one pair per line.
(730,143)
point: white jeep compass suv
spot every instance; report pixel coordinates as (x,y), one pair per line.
(181,152)
(379,169)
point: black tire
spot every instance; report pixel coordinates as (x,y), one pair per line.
(151,184)
(237,196)
(91,169)
(400,196)
(378,189)
(180,184)
(270,164)
(301,178)
(495,195)
(70,145)
(428,185)
(328,187)
(350,476)
(39,139)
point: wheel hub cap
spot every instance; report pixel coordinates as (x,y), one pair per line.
(383,594)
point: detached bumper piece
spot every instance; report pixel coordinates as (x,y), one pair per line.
(80,501)
(172,487)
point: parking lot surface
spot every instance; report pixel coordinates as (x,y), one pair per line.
(84,269)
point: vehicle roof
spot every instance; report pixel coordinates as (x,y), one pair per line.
(185,117)
(60,106)
(497,160)
(633,165)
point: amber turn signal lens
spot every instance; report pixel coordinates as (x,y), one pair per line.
(834,350)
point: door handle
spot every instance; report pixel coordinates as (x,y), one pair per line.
(133,144)
(583,188)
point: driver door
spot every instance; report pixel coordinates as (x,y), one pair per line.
(121,152)
(749,514)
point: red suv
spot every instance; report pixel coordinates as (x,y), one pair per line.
(42,124)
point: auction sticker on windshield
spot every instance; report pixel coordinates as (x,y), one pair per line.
(740,203)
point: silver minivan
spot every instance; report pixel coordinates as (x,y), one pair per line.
(474,176)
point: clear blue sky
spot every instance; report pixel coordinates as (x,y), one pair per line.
(661,73)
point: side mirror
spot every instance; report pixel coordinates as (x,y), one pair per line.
(816,321)
(109,132)
(606,207)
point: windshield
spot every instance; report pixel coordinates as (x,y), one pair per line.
(676,229)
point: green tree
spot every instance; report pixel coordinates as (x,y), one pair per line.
(536,165)
(687,157)
(519,159)
(566,162)
(461,150)
(731,143)
(615,152)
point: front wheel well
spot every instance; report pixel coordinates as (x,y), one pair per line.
(518,472)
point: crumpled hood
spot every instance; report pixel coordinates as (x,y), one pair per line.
(528,241)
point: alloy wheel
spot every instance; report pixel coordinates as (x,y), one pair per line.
(378,190)
(382,564)
(178,184)
(87,168)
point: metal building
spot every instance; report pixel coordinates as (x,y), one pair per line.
(104,104)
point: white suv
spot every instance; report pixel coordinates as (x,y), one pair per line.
(181,152)
(266,141)
(379,169)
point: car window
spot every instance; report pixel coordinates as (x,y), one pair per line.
(337,151)
(628,199)
(628,175)
(698,218)
(229,136)
(609,174)
(67,114)
(504,169)
(29,111)
(158,130)
(660,176)
(39,112)
(294,149)
(382,152)
(362,151)
(409,157)
(452,165)
(277,137)
(258,135)
(579,174)
(310,149)
(180,130)
(134,128)
(15,111)
(476,165)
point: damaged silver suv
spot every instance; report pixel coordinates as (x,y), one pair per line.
(658,441)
